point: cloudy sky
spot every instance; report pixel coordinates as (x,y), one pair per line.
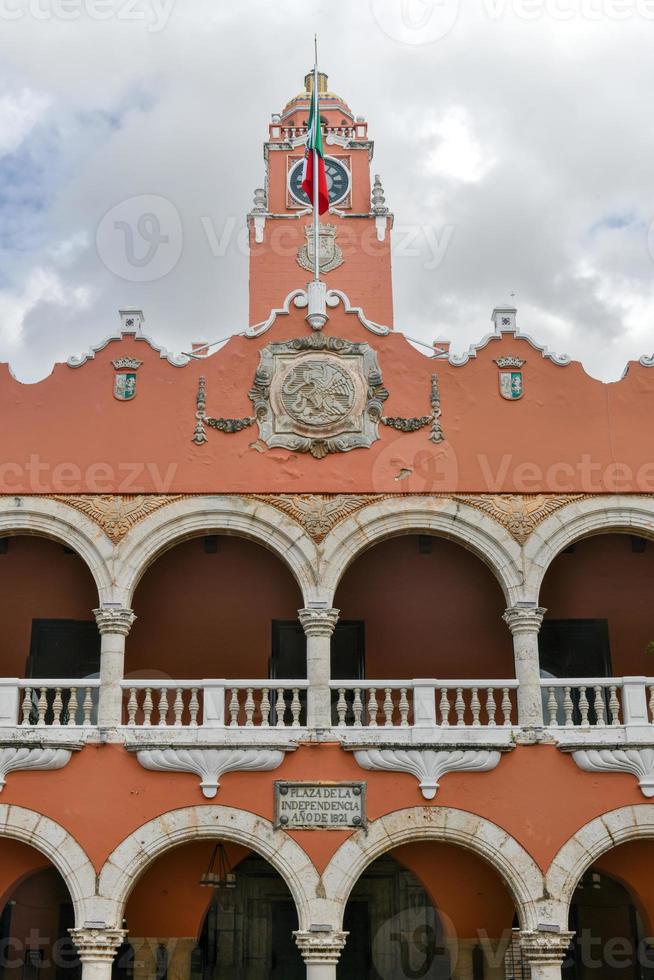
(514,139)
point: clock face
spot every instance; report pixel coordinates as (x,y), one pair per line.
(338,181)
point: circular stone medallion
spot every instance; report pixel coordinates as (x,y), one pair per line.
(317,393)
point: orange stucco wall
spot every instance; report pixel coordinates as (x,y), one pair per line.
(568,433)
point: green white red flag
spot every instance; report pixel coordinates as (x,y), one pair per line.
(315,154)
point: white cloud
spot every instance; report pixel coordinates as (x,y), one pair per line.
(19,113)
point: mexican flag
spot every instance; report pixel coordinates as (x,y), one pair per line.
(314,143)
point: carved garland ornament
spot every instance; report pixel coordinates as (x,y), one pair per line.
(116,514)
(520,513)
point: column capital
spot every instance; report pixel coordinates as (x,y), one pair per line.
(114,619)
(96,945)
(545,947)
(318,622)
(321,947)
(524,619)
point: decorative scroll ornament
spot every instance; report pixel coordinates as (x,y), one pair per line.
(520,513)
(116,514)
(428,765)
(223,425)
(210,764)
(638,762)
(318,395)
(511,381)
(14,759)
(414,424)
(330,255)
(319,513)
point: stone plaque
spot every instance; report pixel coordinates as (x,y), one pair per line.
(320,806)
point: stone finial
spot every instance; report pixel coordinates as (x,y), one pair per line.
(114,619)
(132,320)
(378,197)
(97,944)
(524,619)
(504,318)
(318,622)
(318,946)
(259,206)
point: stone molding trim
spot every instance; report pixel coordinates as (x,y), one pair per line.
(512,862)
(321,947)
(589,843)
(51,839)
(96,945)
(638,762)
(211,763)
(318,622)
(114,619)
(541,948)
(24,758)
(139,850)
(427,765)
(116,514)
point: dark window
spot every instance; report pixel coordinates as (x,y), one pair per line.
(63,648)
(575,648)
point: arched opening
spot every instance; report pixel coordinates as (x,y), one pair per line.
(179,927)
(598,624)
(50,633)
(223,607)
(36,912)
(433,607)
(429,910)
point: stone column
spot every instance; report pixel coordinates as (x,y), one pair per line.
(544,953)
(96,949)
(319,624)
(321,952)
(524,623)
(114,624)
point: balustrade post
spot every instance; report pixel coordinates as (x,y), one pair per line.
(321,952)
(424,703)
(634,702)
(524,621)
(318,625)
(114,624)
(97,948)
(544,953)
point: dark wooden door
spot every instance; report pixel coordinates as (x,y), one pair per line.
(286,961)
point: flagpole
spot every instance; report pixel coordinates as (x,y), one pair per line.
(316,122)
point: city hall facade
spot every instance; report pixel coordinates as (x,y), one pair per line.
(325,654)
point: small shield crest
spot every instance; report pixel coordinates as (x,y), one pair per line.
(511,381)
(125,386)
(330,254)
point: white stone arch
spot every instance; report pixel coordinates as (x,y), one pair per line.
(60,847)
(245,517)
(581,519)
(591,841)
(48,518)
(136,853)
(445,517)
(513,863)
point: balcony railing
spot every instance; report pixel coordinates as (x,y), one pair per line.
(52,702)
(216,704)
(598,702)
(425,703)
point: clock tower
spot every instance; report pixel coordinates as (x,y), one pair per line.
(355,234)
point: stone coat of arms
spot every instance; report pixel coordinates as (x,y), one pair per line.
(125,379)
(318,394)
(330,255)
(511,380)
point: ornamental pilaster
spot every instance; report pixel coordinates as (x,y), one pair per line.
(524,623)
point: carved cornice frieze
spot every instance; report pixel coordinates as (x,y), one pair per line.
(116,514)
(318,514)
